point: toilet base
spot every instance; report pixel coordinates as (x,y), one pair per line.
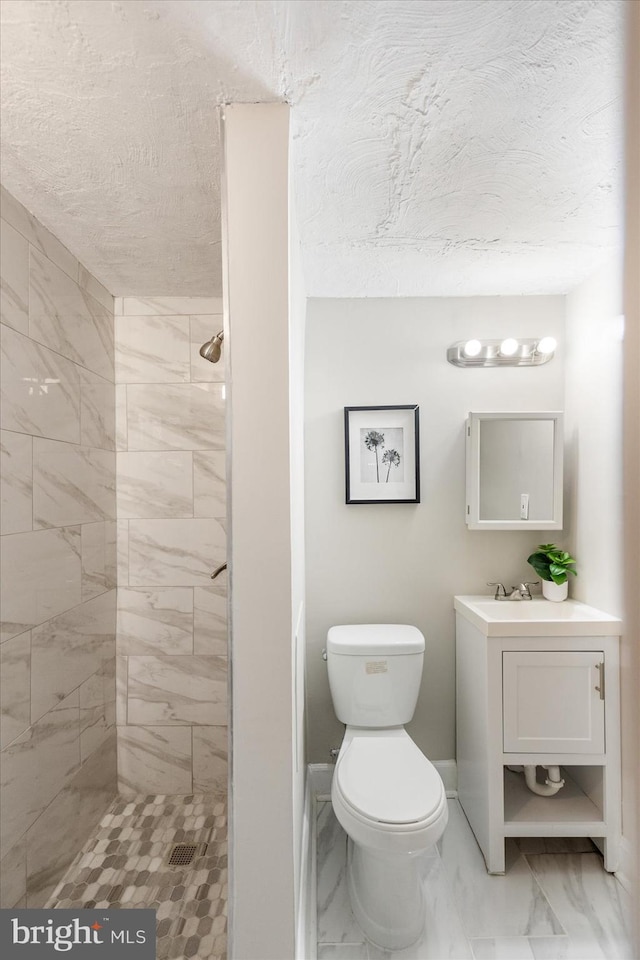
(387,896)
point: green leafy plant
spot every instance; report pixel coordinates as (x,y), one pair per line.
(552,563)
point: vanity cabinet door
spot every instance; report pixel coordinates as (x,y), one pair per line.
(553,702)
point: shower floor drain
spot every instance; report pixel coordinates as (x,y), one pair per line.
(182,854)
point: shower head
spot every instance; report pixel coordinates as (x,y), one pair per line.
(212,348)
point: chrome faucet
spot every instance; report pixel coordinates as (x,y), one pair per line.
(521,592)
(524,591)
(499,587)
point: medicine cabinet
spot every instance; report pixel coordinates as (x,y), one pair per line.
(514,471)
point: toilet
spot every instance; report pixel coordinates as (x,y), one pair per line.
(386,794)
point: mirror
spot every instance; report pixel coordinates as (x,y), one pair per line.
(514,471)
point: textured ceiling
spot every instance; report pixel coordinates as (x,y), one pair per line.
(441,147)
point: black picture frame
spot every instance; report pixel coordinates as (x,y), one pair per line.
(382,454)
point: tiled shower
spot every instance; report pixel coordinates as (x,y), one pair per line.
(58,760)
(113,476)
(171,506)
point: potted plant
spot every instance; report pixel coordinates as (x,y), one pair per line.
(552,564)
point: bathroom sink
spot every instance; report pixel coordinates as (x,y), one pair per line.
(535,618)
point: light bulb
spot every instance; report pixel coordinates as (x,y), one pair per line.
(472,348)
(508,347)
(546,345)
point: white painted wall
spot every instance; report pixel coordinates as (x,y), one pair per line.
(297,320)
(593,439)
(597,515)
(405,562)
(264,585)
(631,419)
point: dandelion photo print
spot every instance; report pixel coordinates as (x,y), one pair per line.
(382,454)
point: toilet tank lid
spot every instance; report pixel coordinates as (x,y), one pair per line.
(386,639)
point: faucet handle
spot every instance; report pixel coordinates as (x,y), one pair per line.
(524,588)
(499,587)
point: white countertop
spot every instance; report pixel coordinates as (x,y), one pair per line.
(536,618)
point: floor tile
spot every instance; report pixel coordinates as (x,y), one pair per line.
(342,951)
(532,845)
(556,902)
(564,948)
(443,937)
(520,948)
(336,923)
(589,902)
(125,864)
(491,906)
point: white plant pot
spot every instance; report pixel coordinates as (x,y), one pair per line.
(555,591)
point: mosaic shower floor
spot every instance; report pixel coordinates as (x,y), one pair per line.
(125,864)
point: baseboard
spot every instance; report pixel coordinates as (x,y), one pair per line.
(627,870)
(448,770)
(306,933)
(320,776)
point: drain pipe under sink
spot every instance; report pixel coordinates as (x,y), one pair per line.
(552,784)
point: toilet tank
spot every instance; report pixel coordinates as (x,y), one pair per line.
(375,671)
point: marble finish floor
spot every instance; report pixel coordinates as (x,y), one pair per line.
(125,865)
(556,901)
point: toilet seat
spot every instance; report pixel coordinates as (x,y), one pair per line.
(389,781)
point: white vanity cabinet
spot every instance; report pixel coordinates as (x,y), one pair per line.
(537,683)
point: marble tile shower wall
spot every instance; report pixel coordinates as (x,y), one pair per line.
(171,503)
(58,557)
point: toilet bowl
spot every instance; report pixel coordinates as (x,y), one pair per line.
(387,796)
(391,803)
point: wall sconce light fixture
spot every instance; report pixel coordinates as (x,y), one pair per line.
(501,353)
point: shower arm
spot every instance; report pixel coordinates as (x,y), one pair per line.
(218,570)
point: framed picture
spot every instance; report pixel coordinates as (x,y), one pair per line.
(382,457)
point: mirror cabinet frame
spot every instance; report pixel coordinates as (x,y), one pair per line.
(472,431)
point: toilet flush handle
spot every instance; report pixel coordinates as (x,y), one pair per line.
(324,654)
